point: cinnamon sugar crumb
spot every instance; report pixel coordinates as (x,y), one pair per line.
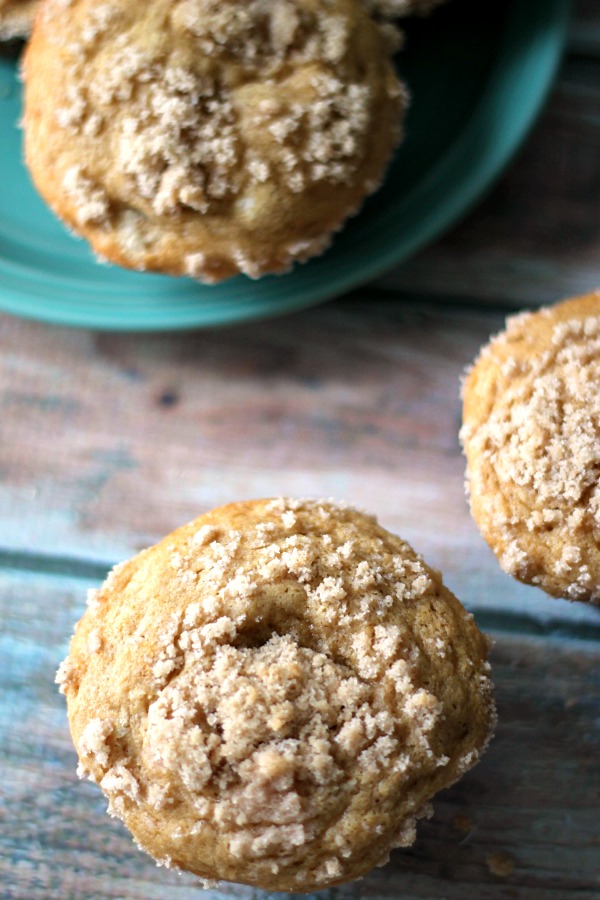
(64,675)
(239,136)
(91,201)
(282,672)
(94,641)
(94,741)
(182,142)
(535,459)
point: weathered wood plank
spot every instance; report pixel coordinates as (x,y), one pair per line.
(536,238)
(108,442)
(584,32)
(523,824)
(342,400)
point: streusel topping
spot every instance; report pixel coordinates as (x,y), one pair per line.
(284,654)
(534,454)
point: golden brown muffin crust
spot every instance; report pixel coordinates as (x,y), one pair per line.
(208,137)
(272,694)
(16,18)
(531,435)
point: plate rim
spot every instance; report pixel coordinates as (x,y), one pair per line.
(532,70)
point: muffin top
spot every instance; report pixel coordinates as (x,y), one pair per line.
(531,435)
(272,693)
(208,137)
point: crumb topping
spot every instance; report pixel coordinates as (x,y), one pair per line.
(64,675)
(183,141)
(273,729)
(93,742)
(270,732)
(91,201)
(290,683)
(541,440)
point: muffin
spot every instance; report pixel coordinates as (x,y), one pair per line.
(531,435)
(273,693)
(208,137)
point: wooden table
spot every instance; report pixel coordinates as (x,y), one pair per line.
(109,441)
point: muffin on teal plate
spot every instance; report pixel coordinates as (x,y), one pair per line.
(477,78)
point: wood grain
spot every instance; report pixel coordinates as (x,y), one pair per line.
(522,824)
(536,238)
(108,441)
(112,441)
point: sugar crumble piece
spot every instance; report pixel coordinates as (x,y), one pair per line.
(64,675)
(204,535)
(94,741)
(119,783)
(532,448)
(90,200)
(248,705)
(196,142)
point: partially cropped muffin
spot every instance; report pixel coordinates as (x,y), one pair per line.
(16,18)
(531,435)
(208,137)
(273,693)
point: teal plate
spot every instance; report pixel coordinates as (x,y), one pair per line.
(478,73)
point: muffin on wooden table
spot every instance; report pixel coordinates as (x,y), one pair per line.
(273,693)
(531,435)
